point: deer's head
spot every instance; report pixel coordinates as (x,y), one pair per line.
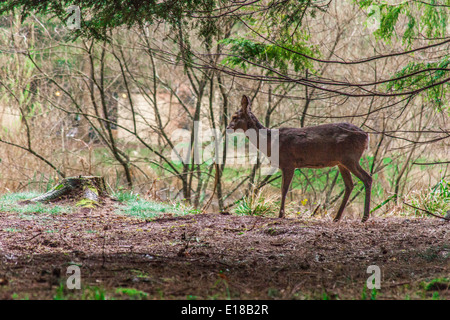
(242,118)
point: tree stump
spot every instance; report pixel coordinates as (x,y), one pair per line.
(86,190)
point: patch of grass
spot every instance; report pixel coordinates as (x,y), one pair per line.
(132,293)
(20,196)
(371,295)
(60,293)
(273,293)
(12,230)
(325,296)
(435,296)
(16,296)
(435,199)
(132,204)
(436,284)
(439,253)
(140,274)
(94,293)
(256,204)
(126,196)
(9,202)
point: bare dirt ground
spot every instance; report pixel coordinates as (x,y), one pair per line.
(213,256)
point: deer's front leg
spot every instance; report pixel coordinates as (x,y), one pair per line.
(287,174)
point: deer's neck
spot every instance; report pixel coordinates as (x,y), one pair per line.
(261,140)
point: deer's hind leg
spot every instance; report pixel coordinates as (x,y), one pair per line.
(356,169)
(347,177)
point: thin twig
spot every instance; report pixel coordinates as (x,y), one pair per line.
(428,212)
(34,236)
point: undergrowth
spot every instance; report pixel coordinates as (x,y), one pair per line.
(256,203)
(132,204)
(435,200)
(10,202)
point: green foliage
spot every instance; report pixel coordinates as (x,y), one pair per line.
(94,293)
(133,293)
(435,199)
(245,52)
(133,205)
(436,296)
(372,296)
(425,74)
(436,285)
(10,203)
(256,204)
(273,293)
(427,18)
(434,19)
(388,21)
(60,293)
(12,230)
(99,17)
(126,196)
(88,293)
(423,17)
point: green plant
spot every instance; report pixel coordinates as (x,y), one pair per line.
(373,293)
(132,204)
(256,204)
(433,253)
(132,293)
(435,199)
(245,50)
(273,293)
(60,293)
(125,196)
(12,230)
(10,203)
(94,293)
(437,284)
(140,274)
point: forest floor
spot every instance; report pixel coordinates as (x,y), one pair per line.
(214,256)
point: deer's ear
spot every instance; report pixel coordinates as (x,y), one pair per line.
(245,104)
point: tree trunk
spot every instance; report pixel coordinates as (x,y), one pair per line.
(86,190)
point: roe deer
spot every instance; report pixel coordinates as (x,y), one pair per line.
(327,145)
